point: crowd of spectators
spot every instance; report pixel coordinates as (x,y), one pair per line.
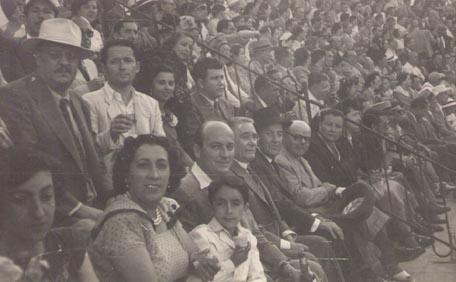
(224,140)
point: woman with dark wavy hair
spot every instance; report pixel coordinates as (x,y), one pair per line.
(139,238)
(27,208)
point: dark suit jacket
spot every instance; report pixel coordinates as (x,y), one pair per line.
(195,206)
(262,206)
(35,120)
(15,62)
(195,210)
(327,167)
(291,213)
(200,111)
(419,128)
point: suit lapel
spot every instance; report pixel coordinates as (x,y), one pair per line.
(51,113)
(240,172)
(329,155)
(112,110)
(295,163)
(271,170)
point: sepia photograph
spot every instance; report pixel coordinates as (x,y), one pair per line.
(227,140)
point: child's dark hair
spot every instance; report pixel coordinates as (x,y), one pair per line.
(231,182)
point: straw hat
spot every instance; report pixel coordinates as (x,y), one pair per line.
(62,31)
(441,88)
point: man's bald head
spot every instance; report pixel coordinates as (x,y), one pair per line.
(214,148)
(206,128)
(297,138)
(300,126)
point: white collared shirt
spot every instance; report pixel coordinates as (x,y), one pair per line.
(242,164)
(129,109)
(203,179)
(221,244)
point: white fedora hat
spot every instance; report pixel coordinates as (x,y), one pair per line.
(58,30)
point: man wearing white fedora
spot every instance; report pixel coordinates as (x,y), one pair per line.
(42,113)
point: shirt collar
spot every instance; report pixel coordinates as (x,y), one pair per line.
(114,95)
(203,179)
(212,102)
(217,227)
(57,97)
(267,157)
(311,96)
(242,164)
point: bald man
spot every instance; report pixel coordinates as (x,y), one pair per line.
(214,152)
(326,199)
(307,190)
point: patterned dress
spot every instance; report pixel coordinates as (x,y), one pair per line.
(128,230)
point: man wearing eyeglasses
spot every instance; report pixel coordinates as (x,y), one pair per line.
(270,127)
(301,181)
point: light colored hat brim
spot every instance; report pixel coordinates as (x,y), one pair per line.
(30,45)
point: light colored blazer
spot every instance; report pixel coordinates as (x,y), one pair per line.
(301,181)
(103,111)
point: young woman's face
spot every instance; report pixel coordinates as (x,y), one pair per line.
(183,48)
(27,211)
(163,86)
(89,11)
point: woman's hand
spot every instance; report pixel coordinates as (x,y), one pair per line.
(206,266)
(9,272)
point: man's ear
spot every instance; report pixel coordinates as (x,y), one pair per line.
(200,83)
(138,67)
(196,151)
(103,69)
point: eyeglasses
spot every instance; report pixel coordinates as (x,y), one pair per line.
(298,138)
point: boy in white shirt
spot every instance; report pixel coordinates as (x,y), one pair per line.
(233,245)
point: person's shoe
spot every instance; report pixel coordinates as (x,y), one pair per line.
(447,188)
(402,276)
(437,228)
(437,209)
(404,254)
(421,221)
(422,230)
(424,241)
(435,219)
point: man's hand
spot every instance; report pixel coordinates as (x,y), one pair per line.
(332,228)
(206,266)
(88,212)
(291,273)
(290,238)
(119,125)
(96,83)
(299,247)
(240,254)
(296,251)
